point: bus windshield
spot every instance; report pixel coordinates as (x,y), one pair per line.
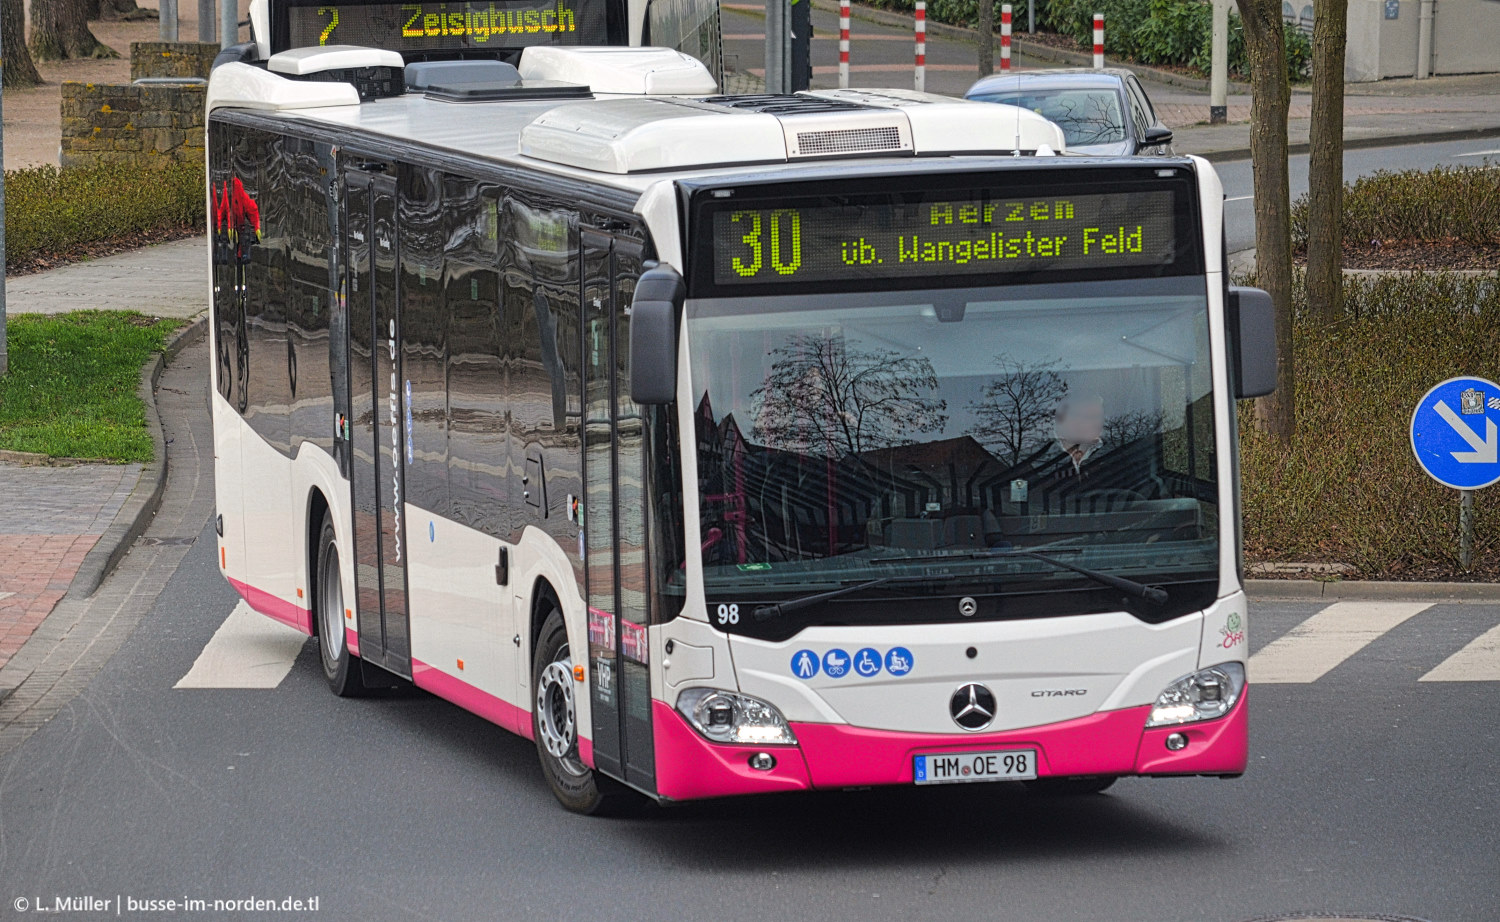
(843,438)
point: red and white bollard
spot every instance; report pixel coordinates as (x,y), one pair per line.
(843,44)
(921,78)
(1098,41)
(1004,37)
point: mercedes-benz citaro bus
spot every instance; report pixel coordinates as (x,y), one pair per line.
(731,445)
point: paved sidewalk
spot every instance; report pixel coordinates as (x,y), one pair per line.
(164,280)
(51,519)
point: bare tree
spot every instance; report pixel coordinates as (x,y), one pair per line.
(986,37)
(60,30)
(1270,96)
(1325,169)
(1131,426)
(824,397)
(1017,410)
(19,69)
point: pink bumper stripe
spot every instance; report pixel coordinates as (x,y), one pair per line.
(272,607)
(466,696)
(351,637)
(1218,747)
(689,766)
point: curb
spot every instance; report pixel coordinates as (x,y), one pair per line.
(139,508)
(1370,590)
(1456,134)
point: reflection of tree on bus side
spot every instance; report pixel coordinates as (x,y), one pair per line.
(823,397)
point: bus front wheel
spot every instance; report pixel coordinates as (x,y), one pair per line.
(554,724)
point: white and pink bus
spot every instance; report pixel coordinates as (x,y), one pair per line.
(731,445)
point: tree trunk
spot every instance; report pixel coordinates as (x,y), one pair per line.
(19,70)
(60,30)
(1273,233)
(986,37)
(122,10)
(1325,171)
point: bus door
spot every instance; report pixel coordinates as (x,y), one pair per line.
(613,510)
(376,419)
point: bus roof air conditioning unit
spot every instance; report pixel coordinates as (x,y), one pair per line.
(816,127)
(375,73)
(944,125)
(619,71)
(637,135)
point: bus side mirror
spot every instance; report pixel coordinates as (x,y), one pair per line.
(1252,342)
(659,294)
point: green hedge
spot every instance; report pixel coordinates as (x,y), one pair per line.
(48,210)
(1445,203)
(1173,33)
(1348,490)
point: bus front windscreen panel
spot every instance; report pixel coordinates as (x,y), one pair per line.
(927,434)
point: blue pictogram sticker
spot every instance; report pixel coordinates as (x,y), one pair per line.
(898,661)
(804,664)
(919,772)
(1455,433)
(867,662)
(836,663)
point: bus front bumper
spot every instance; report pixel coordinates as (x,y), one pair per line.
(840,756)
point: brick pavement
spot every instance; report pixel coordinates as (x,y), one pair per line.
(50,519)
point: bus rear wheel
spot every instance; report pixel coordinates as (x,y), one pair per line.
(554,725)
(340,667)
(1070,787)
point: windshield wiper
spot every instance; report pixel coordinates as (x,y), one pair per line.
(1130,587)
(777,609)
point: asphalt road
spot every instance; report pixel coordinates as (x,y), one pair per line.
(1239,186)
(1369,790)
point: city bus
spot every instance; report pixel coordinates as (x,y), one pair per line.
(480,29)
(725,445)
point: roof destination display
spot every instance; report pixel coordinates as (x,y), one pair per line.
(426,27)
(941,233)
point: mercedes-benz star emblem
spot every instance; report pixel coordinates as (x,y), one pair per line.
(972,706)
(967,607)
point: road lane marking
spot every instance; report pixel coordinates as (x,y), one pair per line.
(1238,198)
(1478,153)
(248,650)
(1477,662)
(1308,651)
(6,595)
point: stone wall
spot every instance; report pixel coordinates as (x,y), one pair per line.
(150,125)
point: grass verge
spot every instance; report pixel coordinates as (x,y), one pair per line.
(1348,489)
(71,390)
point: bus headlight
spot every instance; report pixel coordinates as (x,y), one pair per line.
(729,717)
(1204,695)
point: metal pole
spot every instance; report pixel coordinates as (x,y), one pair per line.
(1465,528)
(229,23)
(921,35)
(843,44)
(1005,38)
(1030,15)
(4,350)
(1424,41)
(1218,95)
(168,20)
(206,20)
(1098,40)
(776,46)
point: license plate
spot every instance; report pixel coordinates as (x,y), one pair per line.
(959,767)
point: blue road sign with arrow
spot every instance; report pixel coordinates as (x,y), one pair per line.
(1455,433)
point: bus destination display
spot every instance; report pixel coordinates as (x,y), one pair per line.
(942,236)
(411,27)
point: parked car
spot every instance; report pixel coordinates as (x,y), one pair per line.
(1101,112)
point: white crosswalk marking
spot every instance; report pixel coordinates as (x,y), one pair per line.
(1312,648)
(248,650)
(1477,662)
